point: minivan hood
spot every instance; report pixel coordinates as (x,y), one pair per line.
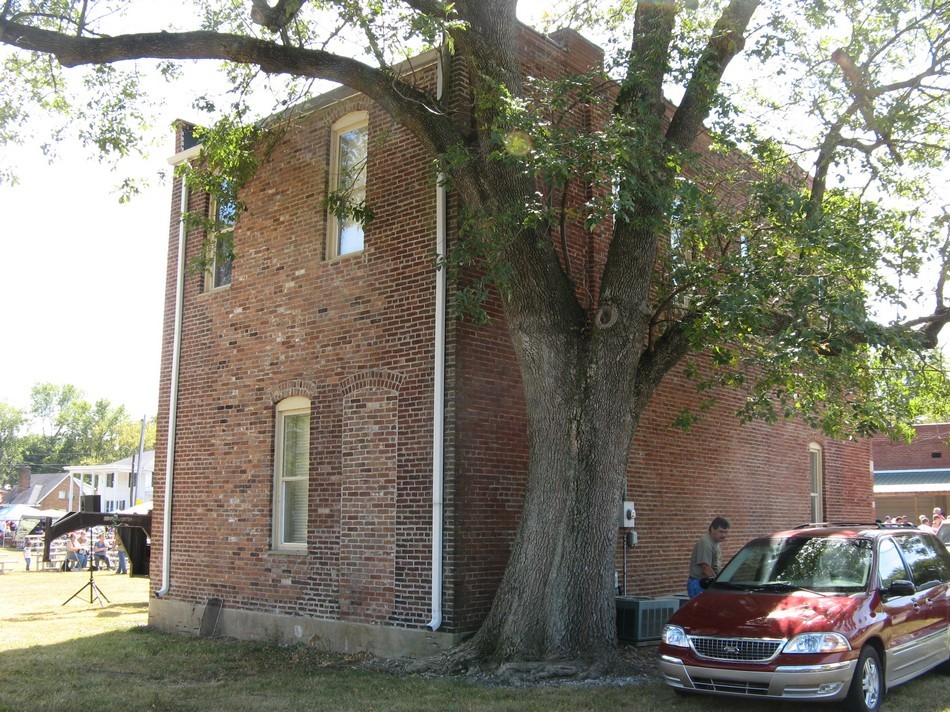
(761,615)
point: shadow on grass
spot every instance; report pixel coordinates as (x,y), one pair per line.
(140,668)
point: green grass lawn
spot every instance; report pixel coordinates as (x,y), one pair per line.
(81,656)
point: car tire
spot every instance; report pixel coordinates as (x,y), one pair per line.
(867,686)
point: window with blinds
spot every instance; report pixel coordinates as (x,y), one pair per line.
(291,473)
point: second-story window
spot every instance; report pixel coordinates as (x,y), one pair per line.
(224,214)
(347,198)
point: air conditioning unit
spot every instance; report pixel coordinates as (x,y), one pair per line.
(641,619)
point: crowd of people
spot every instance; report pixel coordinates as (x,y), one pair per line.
(927,524)
(80,553)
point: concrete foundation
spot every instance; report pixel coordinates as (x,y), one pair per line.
(329,635)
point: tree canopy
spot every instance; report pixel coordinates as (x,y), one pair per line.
(811,272)
(61,428)
(857,99)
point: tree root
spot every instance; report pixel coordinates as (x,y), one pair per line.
(466,661)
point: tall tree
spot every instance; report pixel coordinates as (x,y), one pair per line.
(774,282)
(12,421)
(65,429)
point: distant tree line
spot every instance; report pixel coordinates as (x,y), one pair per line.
(60,427)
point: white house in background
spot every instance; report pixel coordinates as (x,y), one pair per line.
(115,482)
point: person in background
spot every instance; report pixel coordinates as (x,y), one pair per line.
(100,552)
(925,524)
(26,553)
(72,554)
(937,520)
(120,567)
(706,560)
(82,549)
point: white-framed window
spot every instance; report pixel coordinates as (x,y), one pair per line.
(815,480)
(224,215)
(291,473)
(110,480)
(347,186)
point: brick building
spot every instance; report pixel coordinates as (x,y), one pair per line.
(47,491)
(348,463)
(912,478)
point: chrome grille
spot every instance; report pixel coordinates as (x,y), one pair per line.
(750,650)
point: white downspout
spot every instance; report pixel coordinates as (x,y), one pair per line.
(173,397)
(438,397)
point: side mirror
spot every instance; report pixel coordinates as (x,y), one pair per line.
(704,583)
(901,588)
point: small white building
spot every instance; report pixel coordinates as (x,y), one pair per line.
(120,484)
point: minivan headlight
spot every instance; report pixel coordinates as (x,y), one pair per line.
(676,636)
(817,643)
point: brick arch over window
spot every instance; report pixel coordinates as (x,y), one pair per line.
(369,447)
(375,378)
(296,387)
(345,108)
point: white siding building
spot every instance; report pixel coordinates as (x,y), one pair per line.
(120,484)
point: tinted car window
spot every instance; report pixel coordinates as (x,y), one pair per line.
(890,565)
(924,559)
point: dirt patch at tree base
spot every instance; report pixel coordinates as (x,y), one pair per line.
(634,665)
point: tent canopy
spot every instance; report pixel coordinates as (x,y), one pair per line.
(140,508)
(15,512)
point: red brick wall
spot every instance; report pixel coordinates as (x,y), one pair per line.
(928,450)
(355,335)
(370,446)
(755,475)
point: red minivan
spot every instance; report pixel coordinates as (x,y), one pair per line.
(822,612)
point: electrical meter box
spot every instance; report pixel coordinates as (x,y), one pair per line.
(628,515)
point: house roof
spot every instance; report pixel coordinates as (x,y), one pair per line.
(900,481)
(123,465)
(41,485)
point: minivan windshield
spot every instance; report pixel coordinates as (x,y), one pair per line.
(799,563)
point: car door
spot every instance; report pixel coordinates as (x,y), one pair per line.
(930,568)
(902,629)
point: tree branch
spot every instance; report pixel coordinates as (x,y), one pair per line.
(415,109)
(864,98)
(656,362)
(725,42)
(648,60)
(276,18)
(433,8)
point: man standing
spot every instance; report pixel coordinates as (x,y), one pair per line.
(706,561)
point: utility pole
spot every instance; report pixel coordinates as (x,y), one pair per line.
(137,467)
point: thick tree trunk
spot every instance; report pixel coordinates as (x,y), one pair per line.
(556,599)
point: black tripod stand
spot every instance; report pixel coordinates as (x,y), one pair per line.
(95,593)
